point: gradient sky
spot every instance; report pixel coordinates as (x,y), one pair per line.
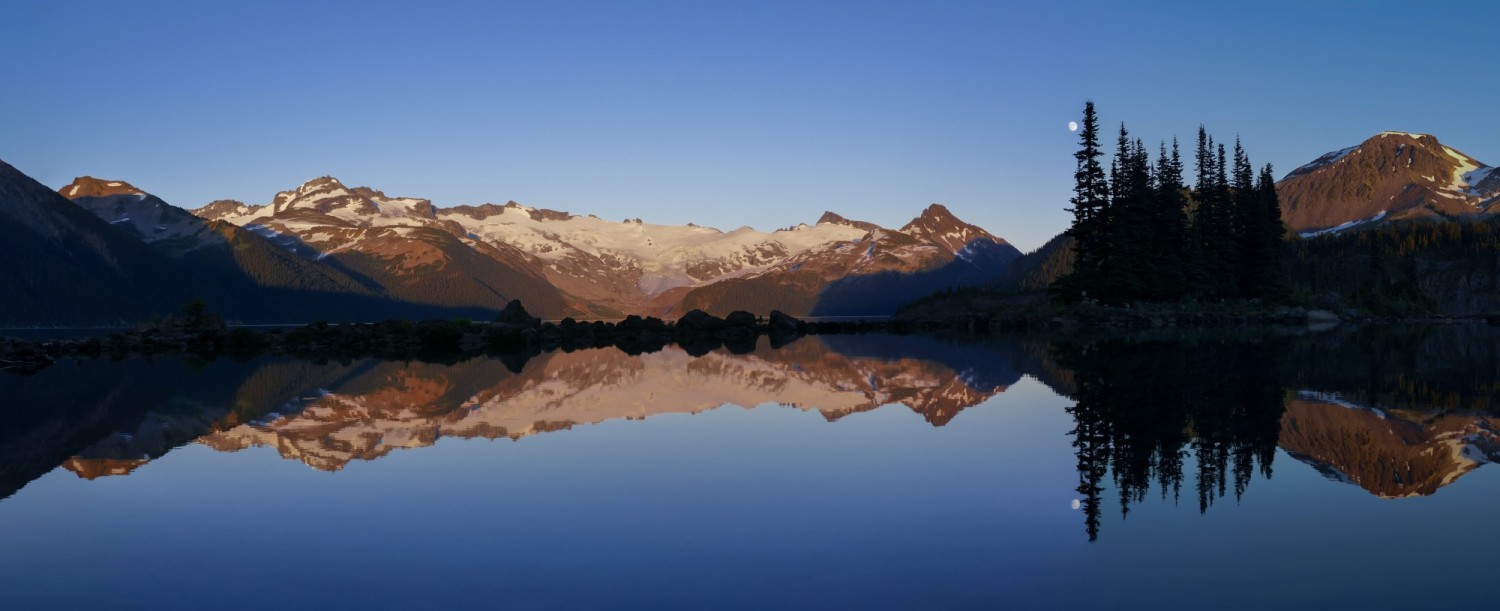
(719,113)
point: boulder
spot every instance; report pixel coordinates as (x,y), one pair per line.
(781,321)
(698,320)
(1321,316)
(740,318)
(516,314)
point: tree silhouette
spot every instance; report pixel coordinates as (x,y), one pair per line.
(1144,407)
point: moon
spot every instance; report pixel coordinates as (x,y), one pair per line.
(1077,504)
(1072,126)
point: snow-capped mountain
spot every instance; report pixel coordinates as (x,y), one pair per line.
(399,245)
(870,275)
(121,204)
(624,265)
(595,266)
(250,274)
(1392,175)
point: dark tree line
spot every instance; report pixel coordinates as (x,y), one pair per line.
(1402,268)
(1140,234)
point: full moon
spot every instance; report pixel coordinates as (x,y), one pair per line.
(1072,126)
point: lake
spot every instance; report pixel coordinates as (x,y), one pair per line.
(1182,469)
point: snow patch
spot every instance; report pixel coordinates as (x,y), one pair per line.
(1335,398)
(1472,179)
(1344,226)
(1466,166)
(1326,159)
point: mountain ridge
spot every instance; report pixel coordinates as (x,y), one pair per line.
(600,267)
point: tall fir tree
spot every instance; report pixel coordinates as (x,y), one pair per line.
(1090,208)
(1266,243)
(1128,273)
(1211,225)
(1223,246)
(1169,231)
(1246,226)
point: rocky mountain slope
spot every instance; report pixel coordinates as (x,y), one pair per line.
(66,266)
(1391,176)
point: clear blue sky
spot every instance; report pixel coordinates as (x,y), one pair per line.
(719,113)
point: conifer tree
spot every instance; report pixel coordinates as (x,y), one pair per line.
(1223,245)
(1170,229)
(1210,219)
(1266,244)
(1127,273)
(1246,217)
(1090,208)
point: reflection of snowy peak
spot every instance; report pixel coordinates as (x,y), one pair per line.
(1391,453)
(394,406)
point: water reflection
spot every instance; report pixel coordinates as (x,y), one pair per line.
(1143,407)
(1398,412)
(103,419)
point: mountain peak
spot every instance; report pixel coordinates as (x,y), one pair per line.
(1387,134)
(319,183)
(88,186)
(935,211)
(934,219)
(832,218)
(1391,175)
(937,224)
(323,194)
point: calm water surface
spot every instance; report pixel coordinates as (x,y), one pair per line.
(1248,470)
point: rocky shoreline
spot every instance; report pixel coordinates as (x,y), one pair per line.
(516,335)
(981,309)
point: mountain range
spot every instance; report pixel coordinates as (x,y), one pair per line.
(328,251)
(106,252)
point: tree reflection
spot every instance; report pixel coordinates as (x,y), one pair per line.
(1144,407)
